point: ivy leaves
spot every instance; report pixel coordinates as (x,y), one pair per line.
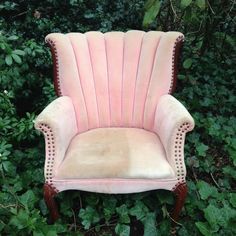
(206,84)
(90,216)
(217,217)
(219,212)
(206,190)
(122,230)
(201,149)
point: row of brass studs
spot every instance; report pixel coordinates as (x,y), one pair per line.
(50,147)
(179,140)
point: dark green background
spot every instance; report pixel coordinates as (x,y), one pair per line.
(206,85)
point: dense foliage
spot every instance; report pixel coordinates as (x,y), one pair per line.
(206,85)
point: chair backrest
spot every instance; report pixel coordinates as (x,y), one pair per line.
(115,79)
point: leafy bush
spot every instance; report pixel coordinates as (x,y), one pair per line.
(206,86)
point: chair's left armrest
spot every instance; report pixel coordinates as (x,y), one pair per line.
(172,122)
(58,124)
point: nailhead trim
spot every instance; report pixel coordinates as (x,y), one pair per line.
(50,147)
(53,188)
(177,41)
(178,151)
(56,66)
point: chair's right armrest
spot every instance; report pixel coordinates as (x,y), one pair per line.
(172,122)
(58,124)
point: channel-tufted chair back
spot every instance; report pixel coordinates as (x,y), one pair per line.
(114,79)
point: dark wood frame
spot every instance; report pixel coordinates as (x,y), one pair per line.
(56,81)
(176,62)
(180,191)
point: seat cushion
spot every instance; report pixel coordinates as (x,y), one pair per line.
(115,153)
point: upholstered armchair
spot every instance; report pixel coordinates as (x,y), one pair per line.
(115,128)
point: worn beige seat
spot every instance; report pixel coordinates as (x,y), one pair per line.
(118,153)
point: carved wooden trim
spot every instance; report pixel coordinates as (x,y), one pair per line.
(180,192)
(56,79)
(49,193)
(175,61)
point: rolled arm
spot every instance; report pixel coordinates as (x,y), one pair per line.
(58,124)
(172,122)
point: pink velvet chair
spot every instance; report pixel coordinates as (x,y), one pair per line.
(115,128)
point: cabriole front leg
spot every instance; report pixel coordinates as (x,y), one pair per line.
(49,194)
(180,192)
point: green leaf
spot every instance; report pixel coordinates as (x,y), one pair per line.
(16,58)
(165,198)
(37,233)
(148,4)
(28,199)
(185,3)
(203,228)
(201,149)
(151,14)
(201,4)
(214,216)
(232,199)
(149,222)
(89,216)
(19,52)
(109,207)
(123,213)
(52,233)
(13,37)
(20,221)
(43,207)
(205,190)
(8,60)
(230,171)
(122,230)
(187,63)
(2,226)
(228,214)
(139,210)
(8,166)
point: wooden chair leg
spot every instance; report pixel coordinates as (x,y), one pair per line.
(180,193)
(49,194)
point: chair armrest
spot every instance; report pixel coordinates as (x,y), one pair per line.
(172,122)
(58,124)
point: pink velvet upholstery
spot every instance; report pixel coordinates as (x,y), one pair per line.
(114,82)
(115,79)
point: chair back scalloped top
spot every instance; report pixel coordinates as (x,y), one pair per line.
(114,79)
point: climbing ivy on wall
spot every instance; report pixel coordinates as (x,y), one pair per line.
(206,85)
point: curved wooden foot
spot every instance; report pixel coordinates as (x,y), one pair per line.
(180,193)
(49,194)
